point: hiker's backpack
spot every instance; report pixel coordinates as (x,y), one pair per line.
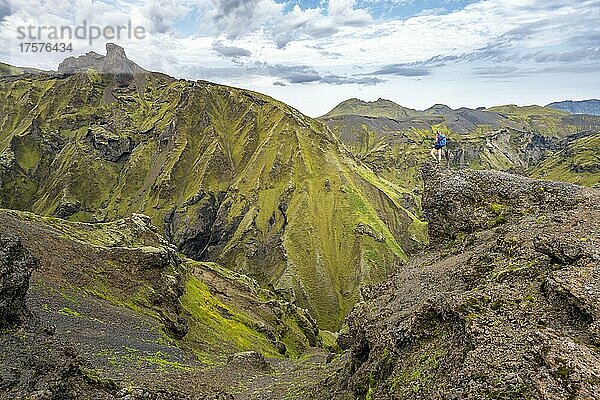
(442,140)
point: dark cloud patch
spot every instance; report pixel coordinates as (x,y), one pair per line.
(296,74)
(282,40)
(233,17)
(325,53)
(238,8)
(331,54)
(570,68)
(286,34)
(496,53)
(585,39)
(282,74)
(163,14)
(230,51)
(575,55)
(523,32)
(302,74)
(580,54)
(425,67)
(501,71)
(160,22)
(318,32)
(551,64)
(402,70)
(5,9)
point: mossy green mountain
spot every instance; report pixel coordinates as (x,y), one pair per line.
(578,162)
(8,70)
(378,108)
(228,175)
(111,172)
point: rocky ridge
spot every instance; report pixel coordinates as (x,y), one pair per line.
(505,304)
(16,267)
(115,64)
(113,312)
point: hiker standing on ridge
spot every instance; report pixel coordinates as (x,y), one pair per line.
(438,145)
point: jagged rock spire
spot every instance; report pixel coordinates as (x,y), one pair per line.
(114,63)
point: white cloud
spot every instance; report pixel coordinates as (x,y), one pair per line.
(163,14)
(337,39)
(234,18)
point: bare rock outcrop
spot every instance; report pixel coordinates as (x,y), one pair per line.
(507,308)
(16,267)
(465,201)
(115,63)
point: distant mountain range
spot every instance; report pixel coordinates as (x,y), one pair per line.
(535,140)
(590,107)
(378,108)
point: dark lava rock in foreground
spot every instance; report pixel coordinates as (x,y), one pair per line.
(504,304)
(33,364)
(16,267)
(36,362)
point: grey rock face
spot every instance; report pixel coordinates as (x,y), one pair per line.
(250,359)
(108,146)
(16,267)
(71,65)
(115,64)
(467,201)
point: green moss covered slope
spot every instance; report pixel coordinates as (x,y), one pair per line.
(578,163)
(378,108)
(227,175)
(8,70)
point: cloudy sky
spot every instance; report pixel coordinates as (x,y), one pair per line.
(313,54)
